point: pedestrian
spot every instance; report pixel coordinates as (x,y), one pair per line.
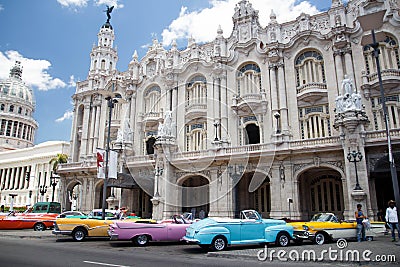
(202,214)
(392,219)
(380,215)
(360,226)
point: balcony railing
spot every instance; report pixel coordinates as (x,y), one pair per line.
(386,74)
(311,87)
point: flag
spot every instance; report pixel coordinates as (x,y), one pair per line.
(100,155)
(112,165)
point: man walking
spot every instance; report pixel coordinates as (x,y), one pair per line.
(392,219)
(360,226)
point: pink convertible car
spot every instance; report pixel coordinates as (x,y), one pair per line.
(141,233)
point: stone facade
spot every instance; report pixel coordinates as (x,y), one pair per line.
(264,119)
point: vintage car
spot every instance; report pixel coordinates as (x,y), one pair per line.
(325,227)
(40,217)
(88,226)
(218,233)
(140,234)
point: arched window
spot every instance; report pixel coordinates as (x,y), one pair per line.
(103,65)
(196,92)
(309,68)
(315,122)
(152,97)
(196,136)
(11,108)
(388,56)
(2,107)
(249,80)
(20,110)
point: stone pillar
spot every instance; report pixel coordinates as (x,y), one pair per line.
(339,69)
(220,193)
(85,131)
(351,124)
(282,100)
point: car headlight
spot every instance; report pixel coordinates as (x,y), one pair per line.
(305,228)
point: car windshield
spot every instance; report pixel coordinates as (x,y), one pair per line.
(323,217)
(249,215)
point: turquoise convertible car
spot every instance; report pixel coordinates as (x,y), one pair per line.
(218,233)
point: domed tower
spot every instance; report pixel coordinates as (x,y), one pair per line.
(17,105)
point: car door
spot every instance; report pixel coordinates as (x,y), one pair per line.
(251,230)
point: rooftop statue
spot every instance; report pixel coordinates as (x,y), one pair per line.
(108,11)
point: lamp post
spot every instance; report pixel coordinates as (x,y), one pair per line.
(216,124)
(371,22)
(110,103)
(277,115)
(42,190)
(355,156)
(53,183)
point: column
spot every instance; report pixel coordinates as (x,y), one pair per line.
(339,70)
(224,108)
(282,99)
(274,89)
(92,130)
(349,65)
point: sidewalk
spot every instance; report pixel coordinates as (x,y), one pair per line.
(379,250)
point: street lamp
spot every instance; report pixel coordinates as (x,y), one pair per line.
(110,103)
(216,124)
(53,183)
(42,190)
(371,22)
(277,115)
(355,156)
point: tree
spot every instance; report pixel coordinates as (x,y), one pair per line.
(59,159)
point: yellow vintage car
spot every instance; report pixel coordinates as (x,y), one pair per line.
(325,227)
(80,227)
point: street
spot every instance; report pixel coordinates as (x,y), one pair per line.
(29,248)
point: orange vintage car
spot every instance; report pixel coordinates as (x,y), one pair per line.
(39,218)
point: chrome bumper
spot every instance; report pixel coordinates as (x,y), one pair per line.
(59,232)
(190,240)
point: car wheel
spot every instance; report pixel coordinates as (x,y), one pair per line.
(283,240)
(79,234)
(320,238)
(39,227)
(141,240)
(218,243)
(370,238)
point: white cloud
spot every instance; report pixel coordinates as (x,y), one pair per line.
(73,3)
(109,3)
(67,116)
(34,71)
(1,8)
(202,25)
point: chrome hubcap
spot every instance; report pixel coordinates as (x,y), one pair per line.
(219,244)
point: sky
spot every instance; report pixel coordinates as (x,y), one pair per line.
(53,39)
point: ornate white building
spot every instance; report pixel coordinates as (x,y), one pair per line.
(264,119)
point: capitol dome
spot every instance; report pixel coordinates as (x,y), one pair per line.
(17,105)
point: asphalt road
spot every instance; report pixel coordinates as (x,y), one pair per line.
(25,250)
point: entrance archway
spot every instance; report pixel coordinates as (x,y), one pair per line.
(74,197)
(195,195)
(252,134)
(320,190)
(383,180)
(259,199)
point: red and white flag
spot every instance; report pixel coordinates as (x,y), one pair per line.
(101,166)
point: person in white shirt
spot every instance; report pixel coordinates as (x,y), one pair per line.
(392,219)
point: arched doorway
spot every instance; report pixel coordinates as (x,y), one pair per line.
(382,178)
(195,195)
(98,204)
(74,197)
(320,190)
(257,198)
(252,135)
